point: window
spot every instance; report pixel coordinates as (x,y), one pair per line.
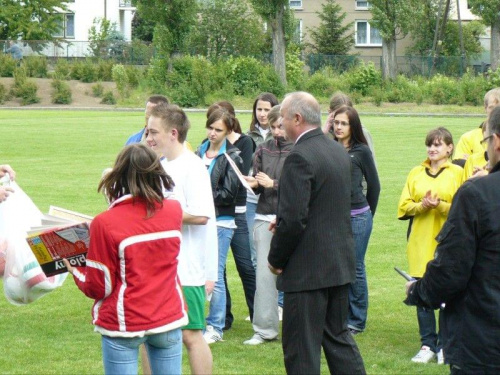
(297,37)
(366,35)
(362,5)
(66,26)
(296,4)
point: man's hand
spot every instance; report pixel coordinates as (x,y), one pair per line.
(408,285)
(272,226)
(209,287)
(5,192)
(276,271)
(264,180)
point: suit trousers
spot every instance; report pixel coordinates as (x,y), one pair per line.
(314,319)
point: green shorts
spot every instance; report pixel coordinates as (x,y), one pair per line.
(195,299)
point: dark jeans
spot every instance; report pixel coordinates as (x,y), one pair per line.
(241,252)
(427,328)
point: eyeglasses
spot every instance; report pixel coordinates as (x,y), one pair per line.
(337,123)
(486,139)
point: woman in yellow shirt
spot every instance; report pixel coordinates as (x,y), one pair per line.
(426,200)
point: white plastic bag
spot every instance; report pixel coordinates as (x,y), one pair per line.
(24,280)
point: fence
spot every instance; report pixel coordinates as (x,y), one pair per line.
(140,53)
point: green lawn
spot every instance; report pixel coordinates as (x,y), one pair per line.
(59,157)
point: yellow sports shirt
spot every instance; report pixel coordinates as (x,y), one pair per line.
(469,143)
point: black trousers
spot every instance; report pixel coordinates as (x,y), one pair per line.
(314,319)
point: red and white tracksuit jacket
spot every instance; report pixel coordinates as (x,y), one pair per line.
(131,269)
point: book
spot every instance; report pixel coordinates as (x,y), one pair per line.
(63,234)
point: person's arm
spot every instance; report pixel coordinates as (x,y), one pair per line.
(449,273)
(293,209)
(372,181)
(97,279)
(246,147)
(407,207)
(257,168)
(188,219)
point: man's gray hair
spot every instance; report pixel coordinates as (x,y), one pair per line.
(494,121)
(306,105)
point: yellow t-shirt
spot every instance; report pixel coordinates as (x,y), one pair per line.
(469,143)
(426,223)
(475,160)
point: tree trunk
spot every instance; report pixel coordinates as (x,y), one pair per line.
(389,64)
(495,44)
(279,45)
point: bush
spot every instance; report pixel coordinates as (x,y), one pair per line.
(62,69)
(97,90)
(121,80)
(105,70)
(157,75)
(364,77)
(473,88)
(443,90)
(294,69)
(3,93)
(27,93)
(61,93)
(245,73)
(36,66)
(378,96)
(88,71)
(108,98)
(401,90)
(20,80)
(7,65)
(319,85)
(134,75)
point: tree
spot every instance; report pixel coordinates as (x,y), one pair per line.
(216,36)
(331,37)
(274,12)
(173,22)
(30,19)
(489,11)
(142,29)
(392,19)
(105,39)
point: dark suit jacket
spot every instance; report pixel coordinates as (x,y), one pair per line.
(313,242)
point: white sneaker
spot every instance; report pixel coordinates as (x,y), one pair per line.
(211,335)
(440,357)
(247,318)
(425,355)
(255,340)
(280,313)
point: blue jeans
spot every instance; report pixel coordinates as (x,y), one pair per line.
(240,244)
(251,208)
(427,328)
(358,291)
(120,354)
(217,313)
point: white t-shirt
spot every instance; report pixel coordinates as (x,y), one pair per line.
(198,257)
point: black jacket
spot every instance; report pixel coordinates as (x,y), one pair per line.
(269,158)
(466,276)
(223,178)
(313,242)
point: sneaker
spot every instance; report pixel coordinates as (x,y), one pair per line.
(425,355)
(354,331)
(255,340)
(440,357)
(211,335)
(247,318)
(280,313)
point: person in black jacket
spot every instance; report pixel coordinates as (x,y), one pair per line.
(312,249)
(465,273)
(348,132)
(215,153)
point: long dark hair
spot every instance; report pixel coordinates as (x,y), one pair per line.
(265,97)
(137,171)
(357,135)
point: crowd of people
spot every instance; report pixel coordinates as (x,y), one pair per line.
(294,201)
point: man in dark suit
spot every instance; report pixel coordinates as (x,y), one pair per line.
(312,250)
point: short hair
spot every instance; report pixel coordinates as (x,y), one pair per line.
(338,100)
(439,134)
(222,114)
(137,171)
(306,105)
(357,135)
(224,104)
(172,116)
(274,114)
(265,97)
(157,99)
(494,121)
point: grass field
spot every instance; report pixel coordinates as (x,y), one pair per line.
(59,157)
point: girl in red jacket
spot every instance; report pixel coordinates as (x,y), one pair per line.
(131,268)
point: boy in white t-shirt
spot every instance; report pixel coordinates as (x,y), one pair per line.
(167,130)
